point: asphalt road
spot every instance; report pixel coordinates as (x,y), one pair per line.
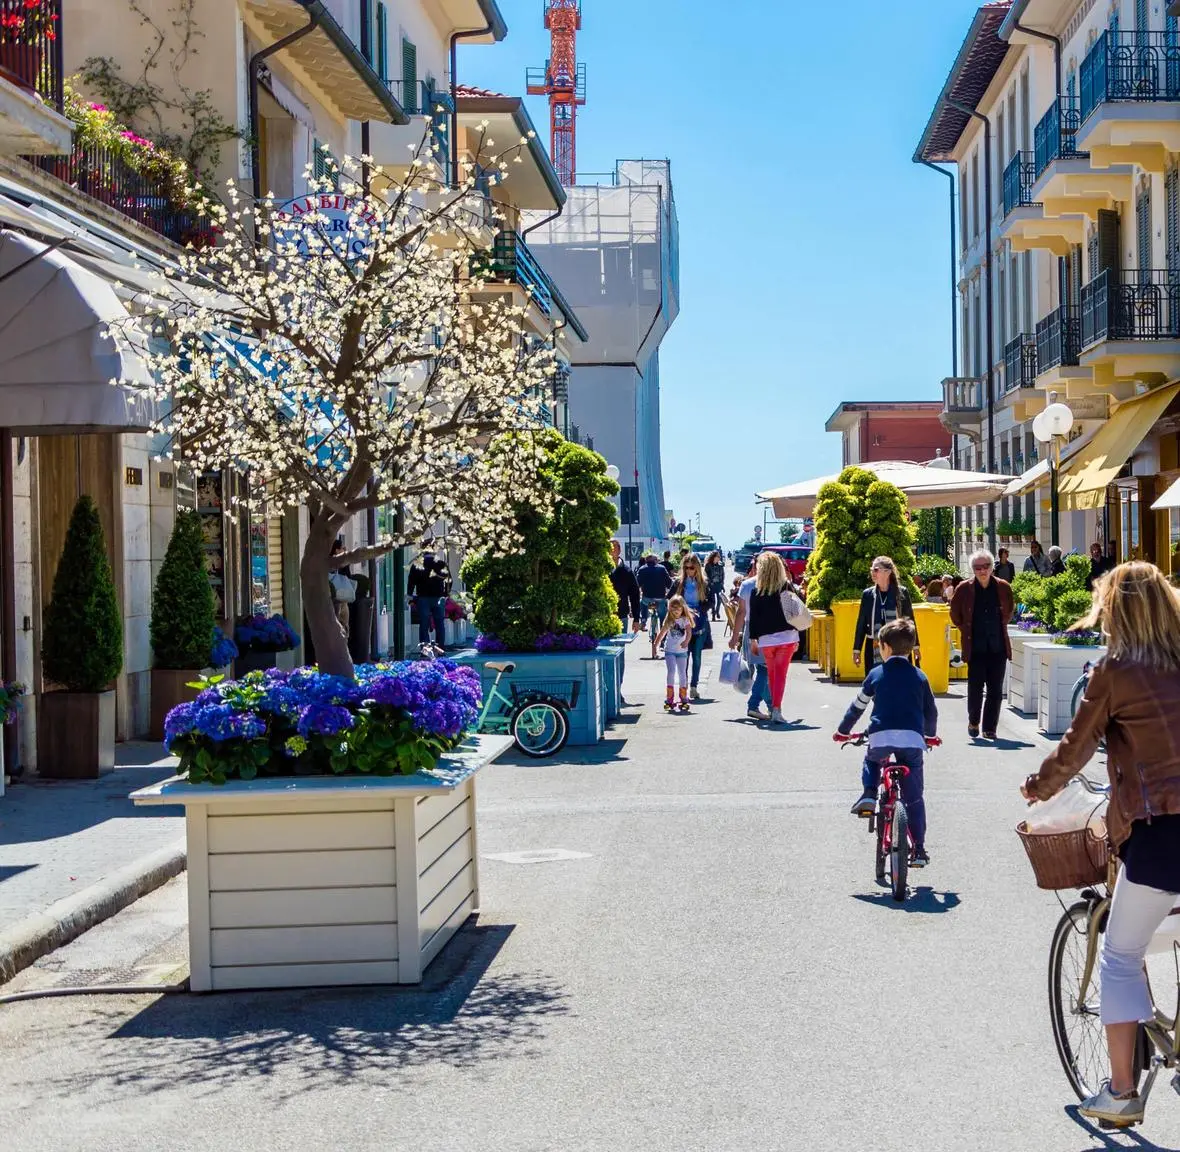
(718,972)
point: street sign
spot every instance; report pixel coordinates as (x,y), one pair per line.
(629,505)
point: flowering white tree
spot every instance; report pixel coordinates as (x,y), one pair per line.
(374,372)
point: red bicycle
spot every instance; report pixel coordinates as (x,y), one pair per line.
(890,821)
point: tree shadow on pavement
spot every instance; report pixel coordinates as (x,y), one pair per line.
(923,899)
(287,1042)
(1111,1140)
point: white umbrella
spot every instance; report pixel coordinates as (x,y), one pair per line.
(924,486)
(1170,498)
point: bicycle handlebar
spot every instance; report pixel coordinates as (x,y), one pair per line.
(860,738)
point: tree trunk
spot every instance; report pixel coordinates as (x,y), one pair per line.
(331,646)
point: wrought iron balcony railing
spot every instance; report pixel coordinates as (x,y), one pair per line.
(511,260)
(1020,362)
(962,394)
(1019,177)
(1131,66)
(1055,136)
(1058,338)
(31,47)
(104,177)
(1139,304)
(561,382)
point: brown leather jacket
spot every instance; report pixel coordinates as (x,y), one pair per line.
(963,608)
(1137,709)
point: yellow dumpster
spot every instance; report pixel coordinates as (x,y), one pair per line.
(959,673)
(934,639)
(844,613)
(816,637)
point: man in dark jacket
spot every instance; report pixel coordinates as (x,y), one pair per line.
(1099,565)
(655,583)
(429,581)
(981,609)
(626,587)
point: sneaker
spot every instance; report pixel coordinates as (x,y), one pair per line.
(1121,1110)
(865,805)
(694,693)
(989,735)
(920,858)
(776,716)
(973,731)
(756,714)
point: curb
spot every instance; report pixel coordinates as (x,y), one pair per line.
(65,920)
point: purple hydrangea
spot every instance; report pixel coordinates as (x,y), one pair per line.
(220,722)
(181,720)
(324,720)
(486,642)
(265,634)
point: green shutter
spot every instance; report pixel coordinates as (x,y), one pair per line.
(1172,222)
(1108,243)
(367,30)
(382,42)
(1143,234)
(409,76)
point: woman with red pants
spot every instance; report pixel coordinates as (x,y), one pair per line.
(771,635)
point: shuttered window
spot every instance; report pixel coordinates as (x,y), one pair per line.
(1172,224)
(382,42)
(1143,234)
(409,76)
(367,29)
(322,167)
(1141,20)
(1108,242)
(1092,254)
(1113,22)
(274,563)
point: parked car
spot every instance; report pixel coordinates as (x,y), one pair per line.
(793,555)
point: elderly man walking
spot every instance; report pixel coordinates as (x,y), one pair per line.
(981,609)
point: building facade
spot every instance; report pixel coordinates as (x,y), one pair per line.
(890,430)
(614,253)
(1062,119)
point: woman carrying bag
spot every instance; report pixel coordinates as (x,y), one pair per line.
(776,615)
(884,600)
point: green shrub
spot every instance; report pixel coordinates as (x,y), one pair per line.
(82,642)
(559,580)
(1069,608)
(929,565)
(935,526)
(182,606)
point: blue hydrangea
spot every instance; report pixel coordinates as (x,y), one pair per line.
(181,720)
(324,720)
(225,721)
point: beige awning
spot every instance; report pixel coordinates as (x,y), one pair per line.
(57,360)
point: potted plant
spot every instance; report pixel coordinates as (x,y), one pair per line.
(367,793)
(27,28)
(260,639)
(81,654)
(182,621)
(1004,530)
(224,651)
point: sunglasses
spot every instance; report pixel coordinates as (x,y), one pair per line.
(982,567)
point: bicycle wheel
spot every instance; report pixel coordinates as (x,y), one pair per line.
(1079,690)
(540,727)
(881,841)
(1077,1027)
(899,851)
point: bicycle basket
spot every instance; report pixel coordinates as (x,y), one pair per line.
(566,691)
(1074,859)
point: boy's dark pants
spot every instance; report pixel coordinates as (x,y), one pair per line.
(911,784)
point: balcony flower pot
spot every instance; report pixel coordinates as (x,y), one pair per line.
(76,735)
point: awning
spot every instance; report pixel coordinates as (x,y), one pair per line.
(1170,498)
(1084,480)
(1038,474)
(57,362)
(924,487)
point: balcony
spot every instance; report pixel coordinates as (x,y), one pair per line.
(1019,178)
(105,177)
(962,405)
(1059,338)
(1141,304)
(1056,134)
(510,261)
(1130,98)
(1020,362)
(32,78)
(431,114)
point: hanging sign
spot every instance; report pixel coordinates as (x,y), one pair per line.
(335,219)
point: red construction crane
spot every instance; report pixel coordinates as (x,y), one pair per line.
(564,82)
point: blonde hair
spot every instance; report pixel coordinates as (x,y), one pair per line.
(678,602)
(772,574)
(699,579)
(1140,613)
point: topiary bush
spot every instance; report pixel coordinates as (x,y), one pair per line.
(1069,608)
(82,641)
(1051,599)
(558,582)
(829,572)
(182,605)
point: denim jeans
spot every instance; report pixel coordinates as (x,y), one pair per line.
(911,784)
(432,608)
(760,689)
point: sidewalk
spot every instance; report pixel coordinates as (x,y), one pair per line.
(74,852)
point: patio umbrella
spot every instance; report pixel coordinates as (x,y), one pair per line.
(924,487)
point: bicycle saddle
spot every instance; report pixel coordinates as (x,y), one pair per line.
(497,666)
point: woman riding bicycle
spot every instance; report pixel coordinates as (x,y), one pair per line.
(1133,701)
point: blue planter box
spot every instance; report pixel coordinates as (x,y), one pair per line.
(553,672)
(611,656)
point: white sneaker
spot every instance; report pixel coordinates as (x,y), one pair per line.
(776,716)
(1105,1105)
(694,694)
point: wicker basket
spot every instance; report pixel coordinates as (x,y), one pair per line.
(1065,859)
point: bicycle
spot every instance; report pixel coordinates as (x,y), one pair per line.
(656,609)
(1074,993)
(537,719)
(1079,691)
(890,821)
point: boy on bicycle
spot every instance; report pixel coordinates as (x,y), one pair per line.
(904,718)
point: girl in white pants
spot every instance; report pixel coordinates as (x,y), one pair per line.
(677,636)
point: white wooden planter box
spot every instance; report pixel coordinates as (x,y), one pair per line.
(1060,667)
(328,880)
(1024,679)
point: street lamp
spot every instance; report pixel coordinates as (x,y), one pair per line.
(613,473)
(942,464)
(1051,426)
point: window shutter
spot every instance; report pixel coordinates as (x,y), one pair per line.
(382,42)
(367,30)
(1092,254)
(1108,242)
(409,76)
(1141,20)
(1113,23)
(1143,233)
(1172,223)
(274,563)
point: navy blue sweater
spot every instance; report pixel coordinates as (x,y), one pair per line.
(901,697)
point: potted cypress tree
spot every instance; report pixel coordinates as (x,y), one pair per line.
(81,654)
(182,621)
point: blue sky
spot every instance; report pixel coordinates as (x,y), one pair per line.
(814,264)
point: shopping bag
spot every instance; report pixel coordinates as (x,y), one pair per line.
(731,667)
(744,684)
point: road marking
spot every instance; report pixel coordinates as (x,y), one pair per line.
(538,856)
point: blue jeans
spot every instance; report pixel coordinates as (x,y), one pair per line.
(911,784)
(760,689)
(694,652)
(432,608)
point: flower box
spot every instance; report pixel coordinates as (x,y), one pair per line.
(611,656)
(552,671)
(1060,666)
(327,880)
(1024,679)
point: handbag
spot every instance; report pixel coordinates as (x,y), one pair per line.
(343,588)
(797,613)
(731,667)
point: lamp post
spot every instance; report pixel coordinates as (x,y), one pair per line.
(943,464)
(613,474)
(1050,427)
